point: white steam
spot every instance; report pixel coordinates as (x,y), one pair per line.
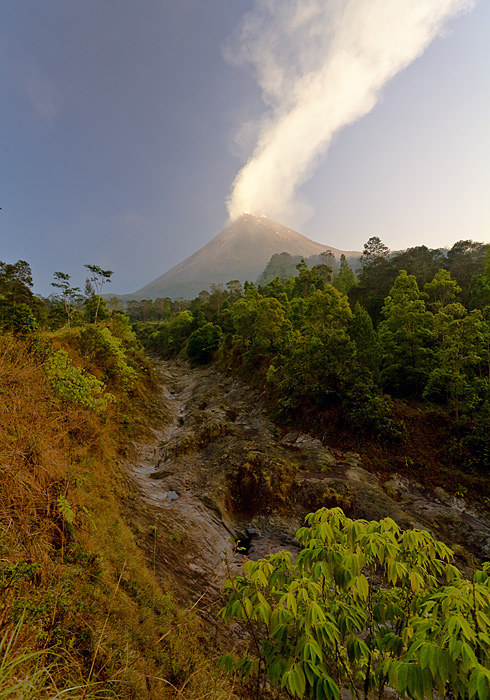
(321,65)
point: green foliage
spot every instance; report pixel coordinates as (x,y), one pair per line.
(361,331)
(364,606)
(204,342)
(282,266)
(70,297)
(168,337)
(466,261)
(112,352)
(15,283)
(345,278)
(20,319)
(370,413)
(96,307)
(326,308)
(458,356)
(442,290)
(312,372)
(66,510)
(375,277)
(98,278)
(75,385)
(404,337)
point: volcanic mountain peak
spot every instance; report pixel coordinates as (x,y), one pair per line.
(239,252)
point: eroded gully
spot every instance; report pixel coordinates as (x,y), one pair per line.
(219,470)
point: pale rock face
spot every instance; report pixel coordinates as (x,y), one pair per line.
(239,252)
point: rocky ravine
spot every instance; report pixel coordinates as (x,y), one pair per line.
(220,470)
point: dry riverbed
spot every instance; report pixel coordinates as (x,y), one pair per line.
(219,471)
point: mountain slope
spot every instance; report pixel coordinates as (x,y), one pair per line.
(239,252)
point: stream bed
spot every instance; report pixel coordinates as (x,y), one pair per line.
(219,471)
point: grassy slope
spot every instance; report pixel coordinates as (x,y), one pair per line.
(79,609)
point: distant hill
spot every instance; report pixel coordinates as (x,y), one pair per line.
(283,265)
(240,251)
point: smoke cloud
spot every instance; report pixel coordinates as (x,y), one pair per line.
(321,65)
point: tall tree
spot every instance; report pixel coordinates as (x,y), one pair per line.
(345,278)
(98,278)
(465,261)
(361,331)
(458,356)
(404,337)
(419,261)
(16,283)
(70,296)
(375,277)
(442,290)
(326,308)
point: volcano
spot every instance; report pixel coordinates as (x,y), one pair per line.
(239,252)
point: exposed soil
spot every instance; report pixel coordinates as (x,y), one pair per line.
(220,471)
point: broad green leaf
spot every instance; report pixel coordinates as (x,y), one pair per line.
(415,682)
(482,685)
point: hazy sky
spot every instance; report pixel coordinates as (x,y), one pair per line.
(124,124)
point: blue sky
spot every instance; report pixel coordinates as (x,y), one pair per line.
(118,138)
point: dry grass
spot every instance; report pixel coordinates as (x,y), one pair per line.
(81,615)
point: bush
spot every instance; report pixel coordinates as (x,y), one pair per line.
(74,384)
(364,606)
(203,343)
(19,319)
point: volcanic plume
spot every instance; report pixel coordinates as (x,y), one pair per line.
(321,64)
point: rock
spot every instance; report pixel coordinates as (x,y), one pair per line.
(311,448)
(441,494)
(253,532)
(197,569)
(171,496)
(393,488)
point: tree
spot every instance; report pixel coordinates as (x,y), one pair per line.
(235,290)
(375,278)
(313,372)
(70,296)
(19,319)
(465,261)
(460,350)
(361,331)
(98,279)
(442,289)
(15,282)
(364,606)
(203,342)
(374,252)
(326,309)
(261,328)
(345,278)
(404,337)
(419,261)
(304,282)
(281,265)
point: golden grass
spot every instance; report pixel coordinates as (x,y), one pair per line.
(81,614)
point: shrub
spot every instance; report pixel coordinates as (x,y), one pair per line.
(364,606)
(74,384)
(204,342)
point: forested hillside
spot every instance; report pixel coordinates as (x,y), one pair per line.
(394,362)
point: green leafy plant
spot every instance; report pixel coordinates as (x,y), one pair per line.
(365,606)
(74,384)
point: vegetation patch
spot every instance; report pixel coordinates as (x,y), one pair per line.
(81,614)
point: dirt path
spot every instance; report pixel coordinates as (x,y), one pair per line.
(220,470)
